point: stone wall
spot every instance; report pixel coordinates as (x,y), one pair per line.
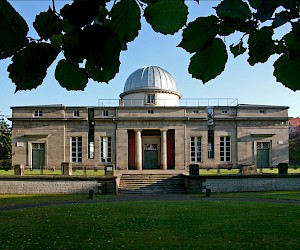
(249,183)
(57,185)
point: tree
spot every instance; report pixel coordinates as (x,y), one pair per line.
(5,144)
(91,36)
(294,150)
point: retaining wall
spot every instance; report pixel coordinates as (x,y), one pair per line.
(56,185)
(242,183)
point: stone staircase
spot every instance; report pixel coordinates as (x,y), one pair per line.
(151,184)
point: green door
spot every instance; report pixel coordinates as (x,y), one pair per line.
(263,155)
(150,159)
(38,155)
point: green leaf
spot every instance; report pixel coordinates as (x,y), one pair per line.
(233,9)
(241,25)
(209,63)
(165,16)
(125,19)
(56,41)
(261,45)
(70,76)
(102,15)
(72,46)
(266,9)
(287,71)
(104,74)
(225,29)
(296,31)
(255,3)
(68,28)
(13,30)
(199,34)
(280,19)
(47,24)
(29,65)
(292,45)
(80,13)
(237,49)
(101,44)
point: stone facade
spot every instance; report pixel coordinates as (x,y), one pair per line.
(242,183)
(152,131)
(57,185)
(244,125)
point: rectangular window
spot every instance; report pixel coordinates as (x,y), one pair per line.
(105,149)
(150,99)
(38,113)
(75,113)
(225,155)
(76,148)
(196,111)
(104,112)
(224,111)
(195,149)
(151,111)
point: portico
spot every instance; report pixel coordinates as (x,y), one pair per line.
(151,149)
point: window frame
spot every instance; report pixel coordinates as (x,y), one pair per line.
(38,113)
(150,99)
(76,149)
(195,149)
(105,149)
(225,149)
(76,113)
(105,113)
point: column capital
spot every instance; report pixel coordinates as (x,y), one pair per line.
(138,130)
(163,130)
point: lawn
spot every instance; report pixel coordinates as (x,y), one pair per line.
(189,224)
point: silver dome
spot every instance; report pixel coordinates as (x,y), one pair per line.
(150,77)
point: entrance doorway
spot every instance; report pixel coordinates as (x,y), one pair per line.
(38,155)
(263,154)
(150,156)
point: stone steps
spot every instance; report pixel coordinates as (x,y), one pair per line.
(148,184)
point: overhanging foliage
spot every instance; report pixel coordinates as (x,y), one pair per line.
(91,36)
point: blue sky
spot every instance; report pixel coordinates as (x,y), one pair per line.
(250,85)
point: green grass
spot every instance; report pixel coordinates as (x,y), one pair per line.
(28,172)
(281,195)
(18,200)
(202,224)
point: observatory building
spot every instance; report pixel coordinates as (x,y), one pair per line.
(151,128)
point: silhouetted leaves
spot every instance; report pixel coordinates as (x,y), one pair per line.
(200,33)
(265,9)
(103,74)
(209,63)
(261,45)
(13,30)
(29,65)
(91,35)
(80,12)
(233,9)
(47,24)
(287,71)
(125,20)
(165,16)
(70,76)
(56,41)
(237,49)
(101,44)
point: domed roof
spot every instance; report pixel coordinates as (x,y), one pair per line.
(150,77)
